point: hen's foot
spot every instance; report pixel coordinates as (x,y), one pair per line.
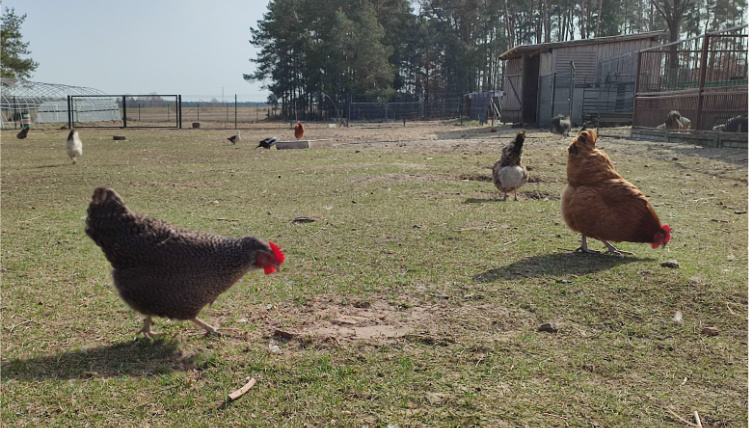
(209,330)
(582,249)
(146,330)
(613,250)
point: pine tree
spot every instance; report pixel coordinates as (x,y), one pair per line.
(12,65)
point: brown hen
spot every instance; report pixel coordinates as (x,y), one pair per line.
(599,203)
(298,130)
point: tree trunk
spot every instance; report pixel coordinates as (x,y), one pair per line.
(598,19)
(508,23)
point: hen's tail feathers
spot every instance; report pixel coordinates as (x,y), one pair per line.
(519,138)
(517,143)
(106,197)
(105,208)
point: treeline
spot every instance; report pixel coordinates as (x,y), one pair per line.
(317,51)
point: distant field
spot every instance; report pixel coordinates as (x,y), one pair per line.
(414,297)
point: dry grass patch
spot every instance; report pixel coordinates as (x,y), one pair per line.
(413,298)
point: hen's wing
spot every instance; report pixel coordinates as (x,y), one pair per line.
(613,210)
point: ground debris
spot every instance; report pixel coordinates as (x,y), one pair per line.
(548,327)
(303,220)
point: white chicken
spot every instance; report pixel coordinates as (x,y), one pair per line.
(508,174)
(74,146)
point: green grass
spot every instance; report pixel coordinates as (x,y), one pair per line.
(409,233)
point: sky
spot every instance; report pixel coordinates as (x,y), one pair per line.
(195,48)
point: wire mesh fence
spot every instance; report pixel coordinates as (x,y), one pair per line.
(703,78)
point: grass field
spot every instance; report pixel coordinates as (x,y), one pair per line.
(413,299)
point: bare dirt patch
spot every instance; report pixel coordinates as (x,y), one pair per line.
(323,320)
(380,322)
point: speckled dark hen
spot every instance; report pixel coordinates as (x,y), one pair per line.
(162,271)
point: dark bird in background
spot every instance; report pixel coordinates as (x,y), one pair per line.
(162,271)
(734,124)
(24,132)
(508,174)
(562,124)
(269,142)
(235,138)
(298,130)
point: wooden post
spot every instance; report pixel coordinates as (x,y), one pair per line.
(703,76)
(637,89)
(124,111)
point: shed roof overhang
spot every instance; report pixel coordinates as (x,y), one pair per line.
(531,50)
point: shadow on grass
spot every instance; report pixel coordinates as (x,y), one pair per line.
(481,200)
(141,358)
(49,166)
(558,264)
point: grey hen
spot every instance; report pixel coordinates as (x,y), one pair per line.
(562,124)
(162,271)
(736,124)
(508,174)
(674,120)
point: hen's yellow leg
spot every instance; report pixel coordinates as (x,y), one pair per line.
(146,330)
(209,329)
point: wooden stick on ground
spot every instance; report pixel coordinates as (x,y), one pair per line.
(243,390)
(680,418)
(697,419)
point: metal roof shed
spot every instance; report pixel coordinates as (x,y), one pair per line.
(534,74)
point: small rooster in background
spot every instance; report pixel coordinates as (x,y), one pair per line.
(508,174)
(674,120)
(298,130)
(74,146)
(562,124)
(599,203)
(162,271)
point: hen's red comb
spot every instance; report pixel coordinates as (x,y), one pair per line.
(278,254)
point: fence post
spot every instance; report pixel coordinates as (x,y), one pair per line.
(553,93)
(235,111)
(572,89)
(124,111)
(70,120)
(15,113)
(703,75)
(179,104)
(637,88)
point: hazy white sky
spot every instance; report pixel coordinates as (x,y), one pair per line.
(190,47)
